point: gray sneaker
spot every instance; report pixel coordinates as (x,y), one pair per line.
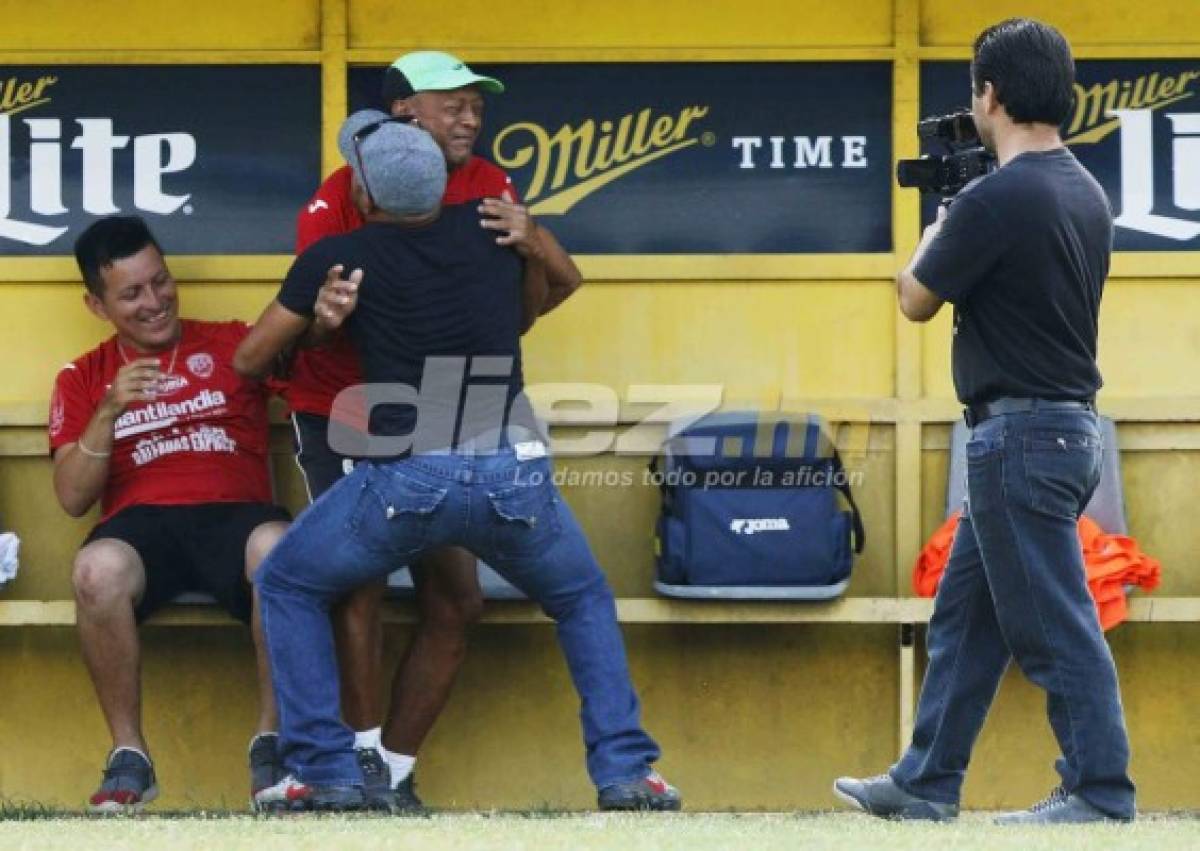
(1059,807)
(880,796)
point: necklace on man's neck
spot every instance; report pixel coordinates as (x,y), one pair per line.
(170,367)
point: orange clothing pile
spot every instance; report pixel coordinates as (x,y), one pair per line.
(1112,562)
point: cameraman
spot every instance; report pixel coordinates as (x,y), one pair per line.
(1022,254)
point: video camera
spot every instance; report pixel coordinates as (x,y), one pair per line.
(962,158)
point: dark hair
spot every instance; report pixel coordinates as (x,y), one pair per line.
(108,240)
(1030,68)
(395,87)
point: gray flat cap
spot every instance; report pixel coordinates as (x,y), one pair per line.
(405,170)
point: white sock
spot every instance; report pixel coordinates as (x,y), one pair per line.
(400,765)
(368,738)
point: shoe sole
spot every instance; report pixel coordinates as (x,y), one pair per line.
(643,804)
(270,807)
(301,805)
(1012,820)
(114,808)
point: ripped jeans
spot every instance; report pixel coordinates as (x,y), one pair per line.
(506,511)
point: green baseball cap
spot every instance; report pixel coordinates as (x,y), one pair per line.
(432,71)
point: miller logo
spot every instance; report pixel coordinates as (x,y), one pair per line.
(1128,106)
(41,143)
(573,162)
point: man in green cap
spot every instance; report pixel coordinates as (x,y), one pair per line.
(445,97)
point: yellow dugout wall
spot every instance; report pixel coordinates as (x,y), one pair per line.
(756,707)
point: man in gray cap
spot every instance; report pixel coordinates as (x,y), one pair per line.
(431,298)
(445,97)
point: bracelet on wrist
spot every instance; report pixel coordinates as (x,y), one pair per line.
(91,453)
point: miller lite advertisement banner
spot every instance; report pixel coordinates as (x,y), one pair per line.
(217,159)
(1136,127)
(693,158)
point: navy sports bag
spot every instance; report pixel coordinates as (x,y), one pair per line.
(750,509)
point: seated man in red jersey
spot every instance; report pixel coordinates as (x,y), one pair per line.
(445,97)
(155,424)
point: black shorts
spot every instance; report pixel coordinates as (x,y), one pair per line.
(197,548)
(321,466)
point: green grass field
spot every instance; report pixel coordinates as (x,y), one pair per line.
(29,829)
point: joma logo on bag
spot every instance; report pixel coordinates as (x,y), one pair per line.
(762,524)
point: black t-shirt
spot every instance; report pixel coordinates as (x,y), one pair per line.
(446,291)
(1022,256)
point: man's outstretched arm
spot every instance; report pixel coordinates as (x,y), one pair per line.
(280,326)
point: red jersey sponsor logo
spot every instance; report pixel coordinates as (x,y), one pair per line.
(165,414)
(58,413)
(201,365)
(200,439)
(170,384)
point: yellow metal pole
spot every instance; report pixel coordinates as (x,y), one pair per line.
(905,227)
(334,44)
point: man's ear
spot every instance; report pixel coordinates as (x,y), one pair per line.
(402,108)
(95,305)
(990,101)
(362,201)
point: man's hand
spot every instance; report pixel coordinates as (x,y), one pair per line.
(336,299)
(517,228)
(136,381)
(80,473)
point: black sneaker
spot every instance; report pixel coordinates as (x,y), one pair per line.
(129,783)
(266,768)
(651,793)
(1059,807)
(290,795)
(404,798)
(880,796)
(377,779)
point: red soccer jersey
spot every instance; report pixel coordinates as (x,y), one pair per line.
(318,375)
(203,439)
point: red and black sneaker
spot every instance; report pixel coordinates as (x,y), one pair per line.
(651,793)
(128,784)
(291,795)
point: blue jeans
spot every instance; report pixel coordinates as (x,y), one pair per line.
(507,512)
(1015,588)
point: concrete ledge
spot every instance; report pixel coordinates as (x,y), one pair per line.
(649,610)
